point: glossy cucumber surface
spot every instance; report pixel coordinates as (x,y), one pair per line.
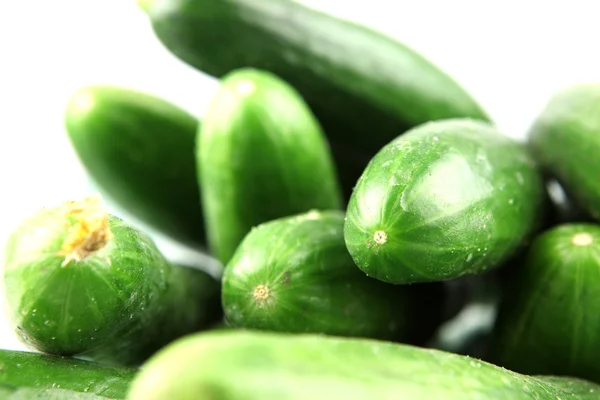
(81,282)
(23,369)
(232,365)
(446,199)
(261,155)
(295,275)
(549,323)
(139,150)
(364,87)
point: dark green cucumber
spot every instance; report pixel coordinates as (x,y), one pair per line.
(446,199)
(42,371)
(80,282)
(364,87)
(139,150)
(549,324)
(294,274)
(247,365)
(261,155)
(565,139)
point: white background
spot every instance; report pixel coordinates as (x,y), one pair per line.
(511,55)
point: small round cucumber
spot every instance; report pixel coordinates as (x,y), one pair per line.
(81,282)
(294,274)
(445,199)
(549,323)
(565,139)
(251,365)
(261,155)
(139,150)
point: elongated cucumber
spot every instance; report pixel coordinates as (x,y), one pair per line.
(364,87)
(446,199)
(24,369)
(294,274)
(139,150)
(236,365)
(261,155)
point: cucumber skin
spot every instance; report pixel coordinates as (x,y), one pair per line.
(549,323)
(261,156)
(455,197)
(139,150)
(28,393)
(393,88)
(314,286)
(42,371)
(232,365)
(567,128)
(117,312)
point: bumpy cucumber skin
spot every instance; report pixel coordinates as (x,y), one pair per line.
(261,156)
(139,150)
(118,305)
(364,87)
(35,370)
(565,139)
(549,323)
(313,285)
(232,365)
(446,199)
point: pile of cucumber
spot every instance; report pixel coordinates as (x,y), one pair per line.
(361,204)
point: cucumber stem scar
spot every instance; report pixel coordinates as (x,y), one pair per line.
(380,237)
(582,239)
(261,293)
(88,228)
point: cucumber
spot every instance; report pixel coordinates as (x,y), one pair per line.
(446,199)
(139,150)
(295,275)
(364,87)
(261,155)
(27,393)
(549,323)
(248,365)
(20,369)
(565,131)
(80,282)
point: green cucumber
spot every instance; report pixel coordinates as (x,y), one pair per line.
(261,155)
(80,282)
(23,369)
(27,393)
(295,275)
(565,139)
(248,365)
(364,87)
(446,199)
(139,150)
(549,324)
